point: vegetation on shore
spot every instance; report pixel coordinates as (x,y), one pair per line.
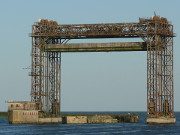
(3,114)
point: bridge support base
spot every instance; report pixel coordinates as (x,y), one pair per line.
(161,120)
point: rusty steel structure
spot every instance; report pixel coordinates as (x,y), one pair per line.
(156,32)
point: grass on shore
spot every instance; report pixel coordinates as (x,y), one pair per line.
(3,114)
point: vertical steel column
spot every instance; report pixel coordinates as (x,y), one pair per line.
(36,70)
(55,81)
(151,78)
(46,94)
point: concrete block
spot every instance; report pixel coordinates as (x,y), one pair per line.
(56,120)
(74,120)
(50,120)
(161,120)
(29,117)
(102,119)
(23,116)
(44,120)
(127,118)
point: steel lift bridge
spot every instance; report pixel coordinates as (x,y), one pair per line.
(49,40)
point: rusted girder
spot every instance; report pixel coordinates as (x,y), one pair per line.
(144,27)
(97,47)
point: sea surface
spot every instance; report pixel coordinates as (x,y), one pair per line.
(140,128)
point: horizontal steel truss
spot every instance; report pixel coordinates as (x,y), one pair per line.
(46,64)
(108,30)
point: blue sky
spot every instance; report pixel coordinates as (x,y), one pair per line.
(114,81)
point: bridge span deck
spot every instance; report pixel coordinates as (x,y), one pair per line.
(97,47)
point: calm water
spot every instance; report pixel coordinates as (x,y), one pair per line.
(140,128)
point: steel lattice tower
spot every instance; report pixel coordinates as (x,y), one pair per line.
(46,72)
(160,100)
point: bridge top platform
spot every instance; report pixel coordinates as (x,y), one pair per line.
(155,25)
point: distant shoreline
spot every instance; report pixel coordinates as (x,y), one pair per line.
(5,114)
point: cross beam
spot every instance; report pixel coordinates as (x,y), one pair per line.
(96,47)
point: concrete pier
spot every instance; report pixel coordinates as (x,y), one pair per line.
(30,117)
(25,112)
(98,118)
(161,120)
